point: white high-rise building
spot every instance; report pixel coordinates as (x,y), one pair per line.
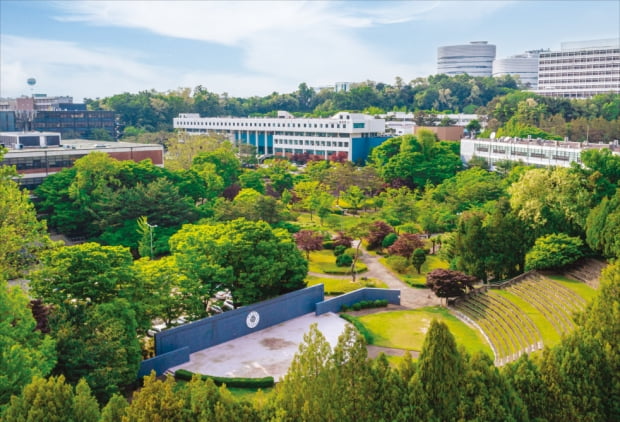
(475,59)
(580,69)
(525,66)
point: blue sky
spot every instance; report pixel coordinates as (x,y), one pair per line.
(100,48)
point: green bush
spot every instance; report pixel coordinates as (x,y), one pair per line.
(339,250)
(328,244)
(389,240)
(287,225)
(365,304)
(398,263)
(344,260)
(266,382)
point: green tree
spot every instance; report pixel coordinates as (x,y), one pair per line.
(24,351)
(98,343)
(354,196)
(472,245)
(156,400)
(42,400)
(418,259)
(553,251)
(252,260)
(439,366)
(87,272)
(114,410)
(551,201)
(22,236)
(603,227)
(183,149)
(85,406)
(226,162)
(253,180)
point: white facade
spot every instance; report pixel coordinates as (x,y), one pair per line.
(525,66)
(580,69)
(290,135)
(475,59)
(536,152)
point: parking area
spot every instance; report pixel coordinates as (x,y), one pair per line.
(267,352)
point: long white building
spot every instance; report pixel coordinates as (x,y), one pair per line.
(580,69)
(536,152)
(475,59)
(350,133)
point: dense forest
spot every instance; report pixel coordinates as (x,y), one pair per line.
(506,107)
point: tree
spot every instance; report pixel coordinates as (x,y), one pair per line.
(405,245)
(553,251)
(342,239)
(358,231)
(22,236)
(250,258)
(437,376)
(418,258)
(42,400)
(377,231)
(25,352)
(473,126)
(319,202)
(603,227)
(156,400)
(449,283)
(551,201)
(226,162)
(182,150)
(472,245)
(87,272)
(308,241)
(354,196)
(114,410)
(99,343)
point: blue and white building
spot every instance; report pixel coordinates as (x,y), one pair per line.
(351,133)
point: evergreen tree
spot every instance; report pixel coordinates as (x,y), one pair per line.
(439,375)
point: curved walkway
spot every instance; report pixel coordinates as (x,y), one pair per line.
(410,297)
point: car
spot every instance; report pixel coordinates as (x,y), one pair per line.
(156,329)
(215,309)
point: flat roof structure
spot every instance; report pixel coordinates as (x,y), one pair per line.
(268,352)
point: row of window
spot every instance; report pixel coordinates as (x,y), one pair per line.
(311,143)
(26,163)
(528,152)
(607,68)
(281,151)
(262,124)
(580,53)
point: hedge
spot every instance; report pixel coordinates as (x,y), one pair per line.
(359,327)
(265,382)
(365,304)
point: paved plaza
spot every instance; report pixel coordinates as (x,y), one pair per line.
(268,352)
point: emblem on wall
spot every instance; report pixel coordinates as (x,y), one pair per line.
(252,319)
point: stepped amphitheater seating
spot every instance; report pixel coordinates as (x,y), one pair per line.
(587,270)
(509,330)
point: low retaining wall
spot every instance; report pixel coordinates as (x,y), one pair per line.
(366,293)
(161,363)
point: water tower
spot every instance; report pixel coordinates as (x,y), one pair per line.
(31,83)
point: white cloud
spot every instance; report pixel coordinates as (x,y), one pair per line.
(282,43)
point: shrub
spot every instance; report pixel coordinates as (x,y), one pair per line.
(265,382)
(359,327)
(328,244)
(339,250)
(389,240)
(398,263)
(287,225)
(344,260)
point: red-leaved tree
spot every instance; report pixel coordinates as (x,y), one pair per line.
(342,239)
(308,241)
(449,283)
(377,232)
(405,245)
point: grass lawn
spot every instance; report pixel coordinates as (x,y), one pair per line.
(333,222)
(579,287)
(549,334)
(407,329)
(324,262)
(412,277)
(344,285)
